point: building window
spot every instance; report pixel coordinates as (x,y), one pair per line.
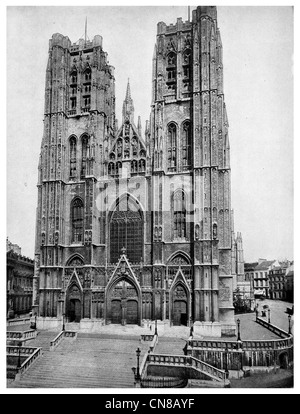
(171,72)
(72,157)
(186,65)
(126,231)
(186,144)
(85,142)
(179,215)
(77,220)
(172,147)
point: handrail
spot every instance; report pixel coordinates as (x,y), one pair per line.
(29,361)
(19,321)
(21,335)
(60,336)
(186,361)
(249,344)
(56,340)
(163,382)
(273,328)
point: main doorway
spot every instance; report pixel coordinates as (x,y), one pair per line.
(180,313)
(74,313)
(180,306)
(74,304)
(122,304)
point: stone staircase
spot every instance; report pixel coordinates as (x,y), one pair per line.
(170,346)
(90,361)
(42,340)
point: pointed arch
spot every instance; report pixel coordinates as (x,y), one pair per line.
(179,214)
(172,146)
(73,155)
(74,299)
(186,144)
(126,229)
(77,218)
(180,303)
(84,154)
(75,260)
(179,258)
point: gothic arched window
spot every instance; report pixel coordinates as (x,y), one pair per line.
(172,147)
(72,157)
(73,90)
(126,231)
(171,71)
(187,64)
(179,215)
(186,144)
(84,150)
(77,215)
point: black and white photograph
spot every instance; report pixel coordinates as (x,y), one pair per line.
(149,200)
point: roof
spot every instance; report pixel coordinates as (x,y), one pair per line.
(264,265)
(250,266)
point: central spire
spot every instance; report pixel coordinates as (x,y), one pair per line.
(128,108)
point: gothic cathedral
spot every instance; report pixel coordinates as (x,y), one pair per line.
(133,228)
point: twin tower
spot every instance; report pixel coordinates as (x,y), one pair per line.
(135,227)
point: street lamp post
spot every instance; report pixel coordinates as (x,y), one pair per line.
(290,331)
(155,332)
(63,326)
(239,334)
(269,315)
(138,353)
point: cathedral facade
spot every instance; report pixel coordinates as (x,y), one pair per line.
(135,227)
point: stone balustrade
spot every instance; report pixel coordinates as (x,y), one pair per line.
(186,362)
(15,322)
(20,336)
(273,328)
(63,334)
(28,362)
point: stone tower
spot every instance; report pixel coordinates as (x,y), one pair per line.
(132,229)
(79,122)
(190,151)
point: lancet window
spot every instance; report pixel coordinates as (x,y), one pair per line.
(172,147)
(77,215)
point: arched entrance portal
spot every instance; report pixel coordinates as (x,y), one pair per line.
(180,306)
(122,306)
(74,304)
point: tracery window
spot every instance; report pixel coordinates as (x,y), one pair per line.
(126,231)
(187,64)
(73,89)
(171,71)
(84,150)
(172,147)
(186,144)
(77,220)
(179,215)
(72,157)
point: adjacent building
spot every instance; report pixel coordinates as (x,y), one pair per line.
(19,278)
(134,227)
(289,284)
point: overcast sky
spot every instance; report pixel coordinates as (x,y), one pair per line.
(258,87)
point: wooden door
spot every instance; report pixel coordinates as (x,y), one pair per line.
(132,312)
(180,313)
(116,311)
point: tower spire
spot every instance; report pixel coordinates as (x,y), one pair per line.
(128,108)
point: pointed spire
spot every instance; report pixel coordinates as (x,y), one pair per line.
(128,93)
(128,108)
(139,126)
